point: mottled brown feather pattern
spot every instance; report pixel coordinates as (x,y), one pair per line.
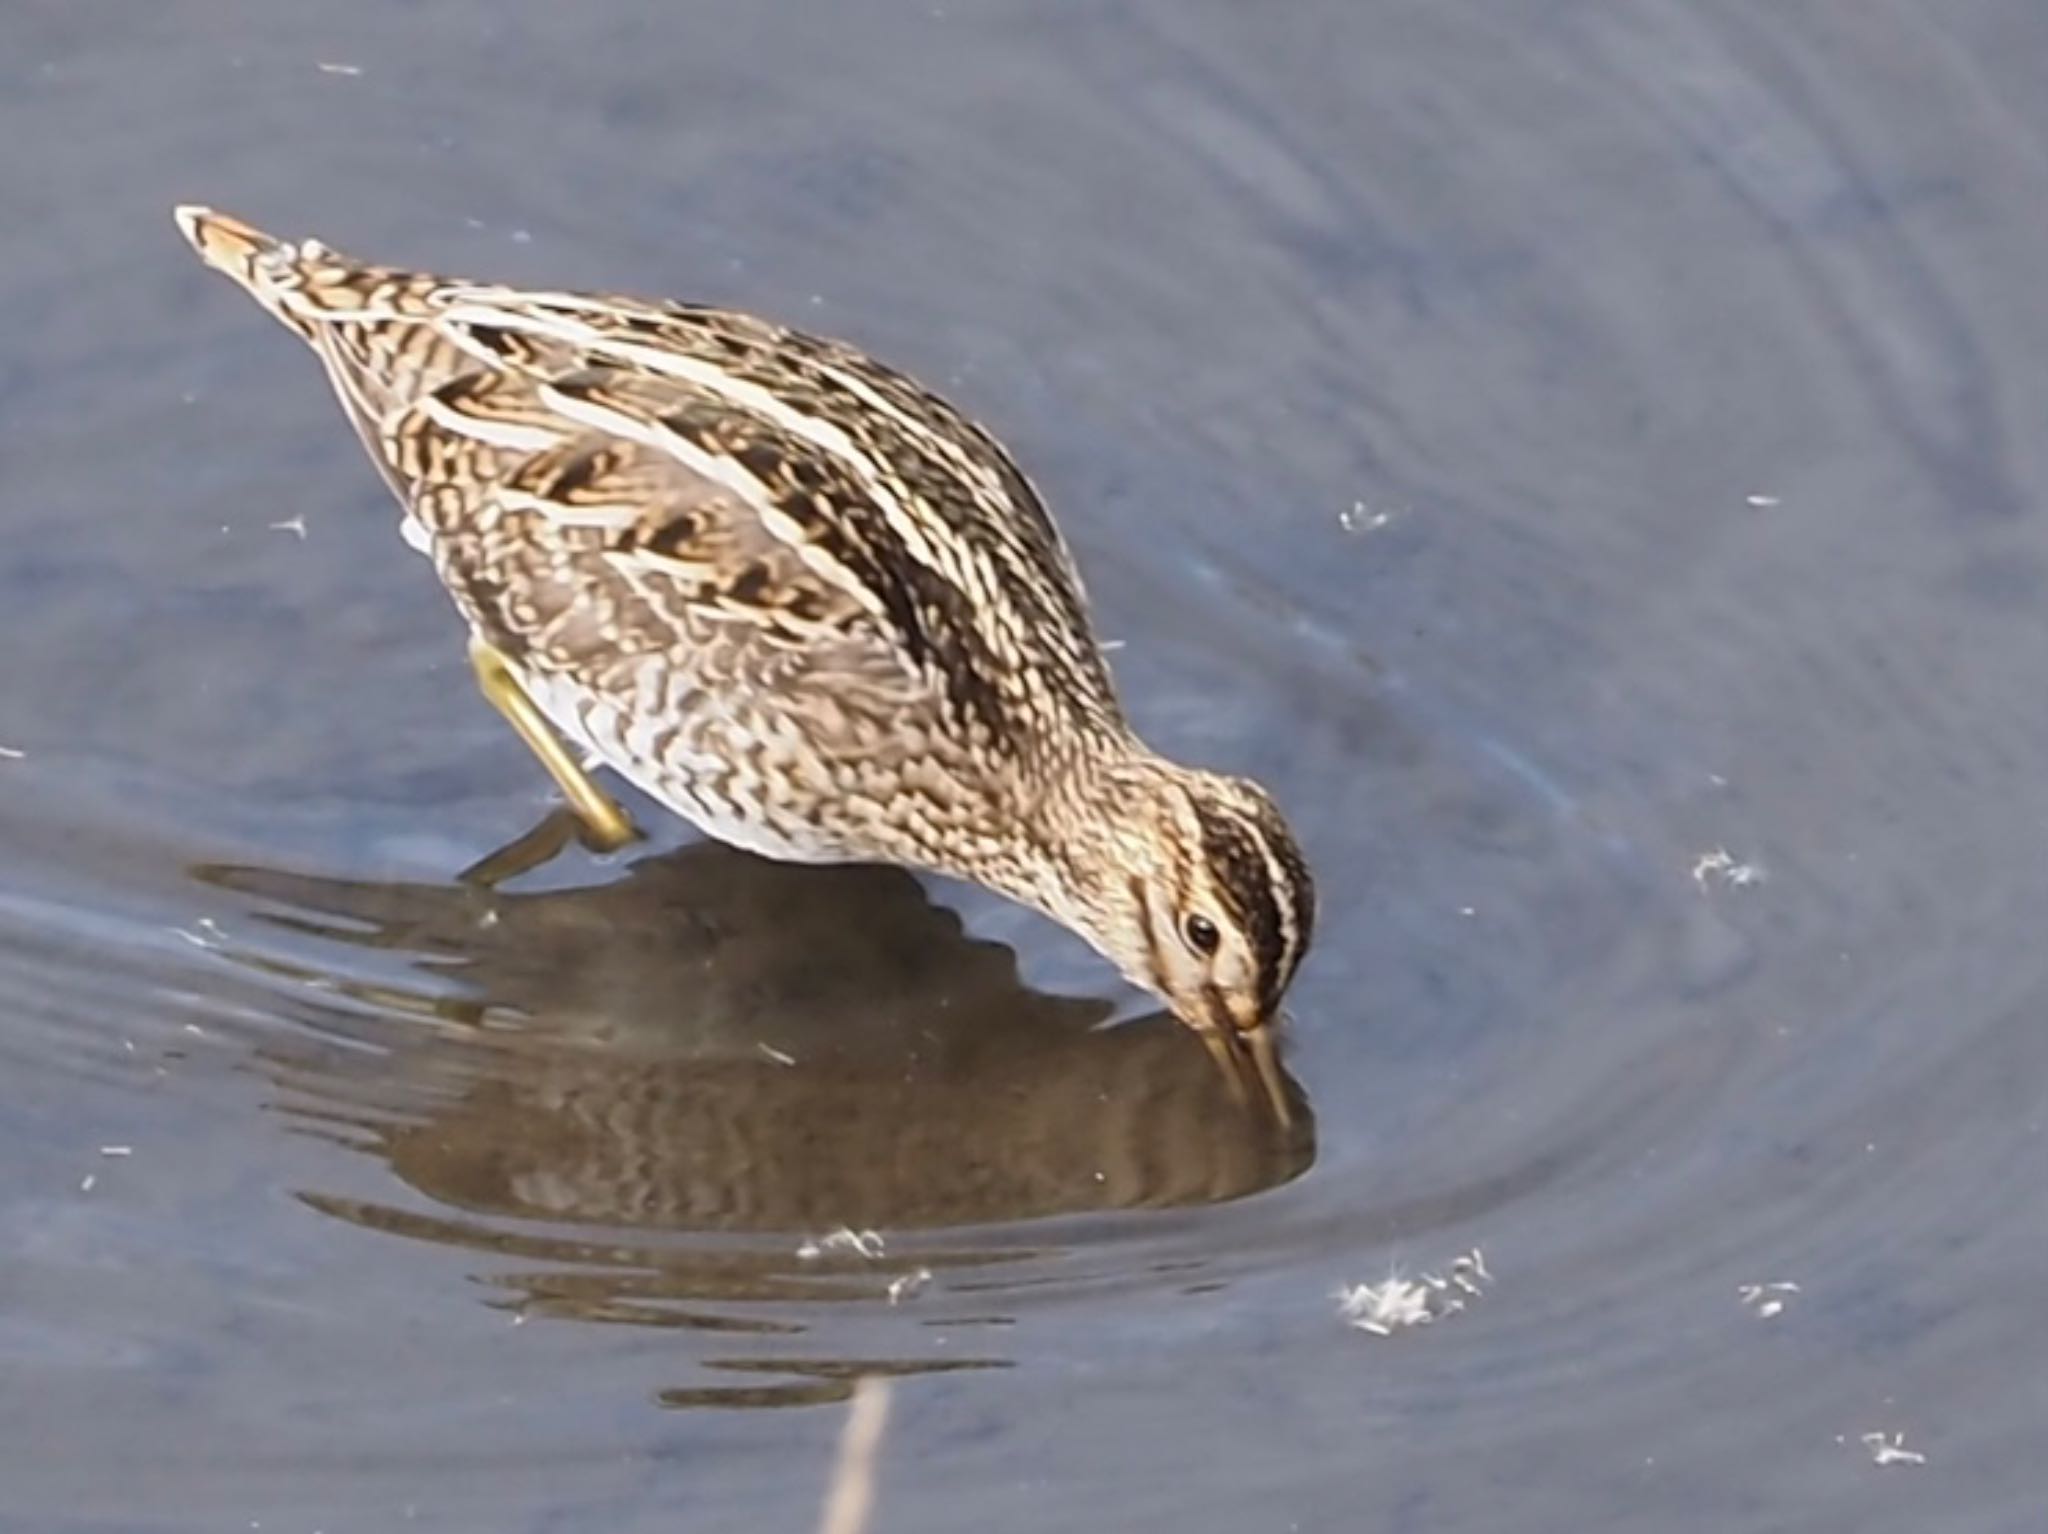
(784,588)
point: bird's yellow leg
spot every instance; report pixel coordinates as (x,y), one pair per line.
(526,852)
(606,827)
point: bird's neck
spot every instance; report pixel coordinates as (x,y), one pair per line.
(1081,830)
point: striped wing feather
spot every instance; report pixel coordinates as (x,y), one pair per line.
(707,441)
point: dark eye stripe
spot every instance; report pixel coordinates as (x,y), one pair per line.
(1254,870)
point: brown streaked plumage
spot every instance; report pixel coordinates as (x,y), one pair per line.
(796,598)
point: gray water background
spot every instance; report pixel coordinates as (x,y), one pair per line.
(1550,445)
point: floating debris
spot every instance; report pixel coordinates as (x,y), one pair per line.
(8,753)
(1384,1309)
(1762,502)
(1399,1303)
(1890,1449)
(204,933)
(117,1151)
(88,1182)
(780,1057)
(1765,1299)
(1469,1272)
(350,70)
(906,1286)
(294,525)
(845,1239)
(1722,864)
(1361,518)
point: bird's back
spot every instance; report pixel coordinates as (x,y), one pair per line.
(595,465)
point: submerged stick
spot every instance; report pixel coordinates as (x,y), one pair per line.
(852,1493)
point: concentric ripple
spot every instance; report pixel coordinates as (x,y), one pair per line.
(1586,459)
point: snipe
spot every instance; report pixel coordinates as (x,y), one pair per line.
(795,597)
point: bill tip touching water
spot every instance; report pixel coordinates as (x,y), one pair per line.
(797,599)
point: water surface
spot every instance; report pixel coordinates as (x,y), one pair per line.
(1589,465)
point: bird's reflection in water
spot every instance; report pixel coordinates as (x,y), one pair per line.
(656,1095)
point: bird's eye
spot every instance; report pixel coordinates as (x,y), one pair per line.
(1202,934)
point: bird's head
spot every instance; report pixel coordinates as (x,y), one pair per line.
(1192,883)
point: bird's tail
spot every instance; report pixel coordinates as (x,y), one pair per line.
(270,269)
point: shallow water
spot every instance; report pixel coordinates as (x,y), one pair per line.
(1550,452)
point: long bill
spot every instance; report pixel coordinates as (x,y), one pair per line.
(1247,1056)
